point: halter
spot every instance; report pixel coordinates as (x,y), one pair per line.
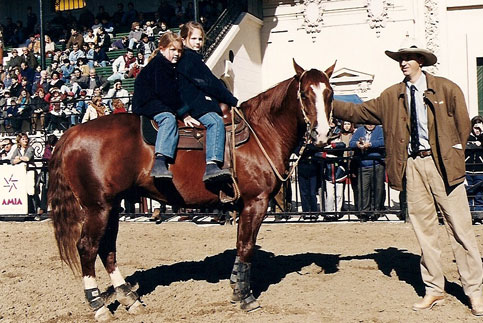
(304,145)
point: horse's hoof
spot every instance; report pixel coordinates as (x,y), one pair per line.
(250,304)
(136,308)
(103,315)
(235,297)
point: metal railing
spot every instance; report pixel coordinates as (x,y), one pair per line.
(222,25)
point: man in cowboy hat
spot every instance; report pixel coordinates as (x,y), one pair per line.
(426,126)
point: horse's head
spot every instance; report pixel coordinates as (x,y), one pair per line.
(315,99)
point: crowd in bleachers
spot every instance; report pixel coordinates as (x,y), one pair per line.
(87,57)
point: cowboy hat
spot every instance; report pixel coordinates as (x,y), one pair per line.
(411,46)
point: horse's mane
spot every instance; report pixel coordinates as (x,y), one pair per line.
(267,102)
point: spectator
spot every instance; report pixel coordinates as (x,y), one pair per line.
(25,85)
(93,81)
(49,46)
(81,105)
(7,147)
(179,13)
(13,116)
(24,107)
(100,57)
(24,155)
(130,15)
(83,66)
(335,173)
(165,11)
(3,73)
(135,34)
(18,34)
(103,39)
(75,38)
(89,50)
(117,92)
(145,46)
(120,66)
(67,69)
(27,72)
(102,14)
(118,15)
(370,190)
(14,61)
(161,28)
(108,27)
(90,37)
(138,64)
(309,179)
(40,109)
(57,117)
(121,43)
(42,82)
(31,21)
(76,53)
(53,67)
(29,58)
(95,109)
(118,106)
(474,165)
(44,179)
(86,18)
(15,87)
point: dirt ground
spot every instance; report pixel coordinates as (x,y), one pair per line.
(318,272)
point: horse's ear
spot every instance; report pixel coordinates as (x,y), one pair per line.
(330,70)
(298,70)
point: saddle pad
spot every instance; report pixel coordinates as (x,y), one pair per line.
(191,138)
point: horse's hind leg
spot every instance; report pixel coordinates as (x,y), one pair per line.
(107,252)
(88,246)
(250,220)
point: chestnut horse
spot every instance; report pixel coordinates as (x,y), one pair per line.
(98,163)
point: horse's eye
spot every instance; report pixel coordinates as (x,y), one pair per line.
(302,95)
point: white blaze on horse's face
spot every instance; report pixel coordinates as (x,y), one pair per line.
(322,122)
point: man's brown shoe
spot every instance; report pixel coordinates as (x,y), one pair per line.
(428,302)
(476,305)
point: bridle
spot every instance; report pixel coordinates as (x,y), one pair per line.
(307,136)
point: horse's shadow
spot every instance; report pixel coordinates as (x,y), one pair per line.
(269,269)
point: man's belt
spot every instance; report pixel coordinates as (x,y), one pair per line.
(421,153)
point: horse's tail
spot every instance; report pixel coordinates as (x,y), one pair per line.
(65,211)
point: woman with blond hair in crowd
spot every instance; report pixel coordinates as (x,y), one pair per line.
(95,109)
(49,46)
(24,155)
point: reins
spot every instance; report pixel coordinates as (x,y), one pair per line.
(301,151)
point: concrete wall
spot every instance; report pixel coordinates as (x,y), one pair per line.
(357,32)
(244,75)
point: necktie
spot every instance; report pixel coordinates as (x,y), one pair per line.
(414,123)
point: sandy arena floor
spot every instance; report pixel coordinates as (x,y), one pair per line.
(323,272)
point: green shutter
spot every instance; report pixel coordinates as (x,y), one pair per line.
(479,76)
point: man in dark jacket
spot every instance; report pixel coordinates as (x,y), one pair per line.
(426,126)
(94,81)
(14,61)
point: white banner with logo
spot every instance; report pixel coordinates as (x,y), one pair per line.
(13,189)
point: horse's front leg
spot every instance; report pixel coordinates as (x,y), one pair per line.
(107,252)
(249,224)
